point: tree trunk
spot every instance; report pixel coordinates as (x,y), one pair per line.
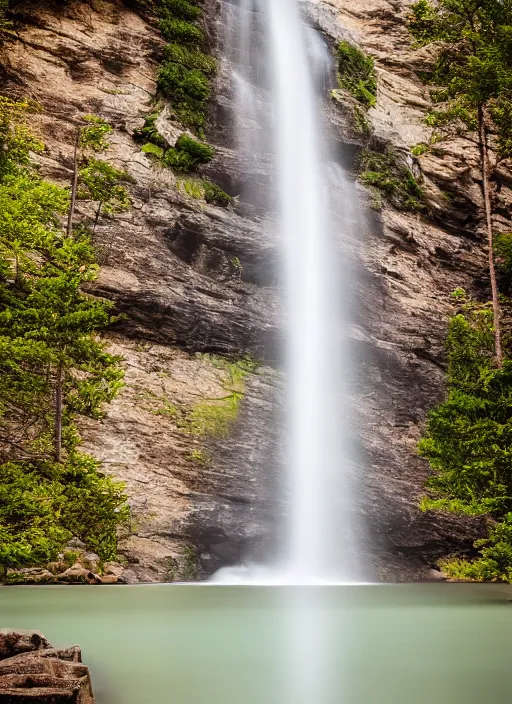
(98,212)
(484,162)
(57,442)
(74,185)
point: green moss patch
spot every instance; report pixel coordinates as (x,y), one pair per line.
(384,172)
(356,73)
(185,75)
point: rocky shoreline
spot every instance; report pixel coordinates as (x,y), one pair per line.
(32,670)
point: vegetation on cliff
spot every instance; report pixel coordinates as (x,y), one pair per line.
(468,439)
(356,73)
(185,74)
(53,367)
(385,172)
(471,87)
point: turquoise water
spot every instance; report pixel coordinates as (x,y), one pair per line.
(205,644)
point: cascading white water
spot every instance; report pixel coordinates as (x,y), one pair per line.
(318,541)
(313,357)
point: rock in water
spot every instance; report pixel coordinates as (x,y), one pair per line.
(31,670)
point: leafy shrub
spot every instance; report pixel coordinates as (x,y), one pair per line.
(189,91)
(30,502)
(420,149)
(16,140)
(181,31)
(468,438)
(93,135)
(385,172)
(192,187)
(190,58)
(101,182)
(495,565)
(215,195)
(182,9)
(503,252)
(43,504)
(149,133)
(154,149)
(184,77)
(187,154)
(356,73)
(94,505)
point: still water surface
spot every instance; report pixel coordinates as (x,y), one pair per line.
(206,644)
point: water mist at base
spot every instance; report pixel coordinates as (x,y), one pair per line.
(318,543)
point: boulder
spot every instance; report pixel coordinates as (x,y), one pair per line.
(31,670)
(13,642)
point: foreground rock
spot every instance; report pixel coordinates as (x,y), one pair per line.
(31,670)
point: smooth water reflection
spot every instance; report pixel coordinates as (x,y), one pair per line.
(207,644)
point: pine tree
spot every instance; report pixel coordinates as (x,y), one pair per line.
(472,81)
(53,367)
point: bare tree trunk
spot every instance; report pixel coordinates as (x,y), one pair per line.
(57,442)
(17,263)
(98,212)
(74,184)
(484,161)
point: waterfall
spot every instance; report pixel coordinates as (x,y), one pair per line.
(286,97)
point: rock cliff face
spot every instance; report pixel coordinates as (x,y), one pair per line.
(169,263)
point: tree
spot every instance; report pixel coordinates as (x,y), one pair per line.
(468,439)
(53,367)
(101,182)
(54,313)
(97,180)
(472,80)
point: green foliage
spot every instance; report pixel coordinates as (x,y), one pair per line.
(356,73)
(149,133)
(48,341)
(153,149)
(473,63)
(214,195)
(361,122)
(192,187)
(190,58)
(213,416)
(188,154)
(468,442)
(189,91)
(503,252)
(16,140)
(93,134)
(101,182)
(185,75)
(420,149)
(468,438)
(5,24)
(495,565)
(181,9)
(42,504)
(198,456)
(95,505)
(181,31)
(30,503)
(500,110)
(386,173)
